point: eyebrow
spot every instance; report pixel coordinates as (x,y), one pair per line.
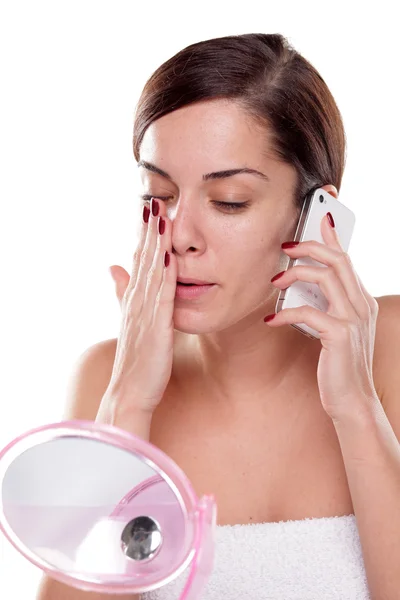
(206,176)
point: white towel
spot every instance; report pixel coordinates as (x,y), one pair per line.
(309,559)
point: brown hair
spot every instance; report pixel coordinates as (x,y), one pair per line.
(275,85)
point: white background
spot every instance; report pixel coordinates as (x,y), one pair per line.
(71,74)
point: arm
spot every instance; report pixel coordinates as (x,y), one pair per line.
(50,589)
(88,385)
(371,453)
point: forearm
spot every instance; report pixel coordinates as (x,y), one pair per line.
(371,454)
(50,589)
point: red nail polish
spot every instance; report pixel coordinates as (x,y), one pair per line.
(154,207)
(289,244)
(161,225)
(166,258)
(269,317)
(277,276)
(330,219)
(146,214)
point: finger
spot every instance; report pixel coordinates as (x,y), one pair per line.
(166,298)
(158,269)
(330,284)
(341,263)
(145,272)
(140,247)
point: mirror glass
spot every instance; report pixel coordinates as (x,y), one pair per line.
(90,508)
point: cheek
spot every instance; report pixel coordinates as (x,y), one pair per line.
(250,264)
(248,252)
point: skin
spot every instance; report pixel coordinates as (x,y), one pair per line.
(237,356)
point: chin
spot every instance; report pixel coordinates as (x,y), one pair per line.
(192,322)
(192,326)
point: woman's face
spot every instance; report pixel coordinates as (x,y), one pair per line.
(239,249)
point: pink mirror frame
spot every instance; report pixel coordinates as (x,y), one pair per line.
(199,514)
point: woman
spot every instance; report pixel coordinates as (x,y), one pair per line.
(230,134)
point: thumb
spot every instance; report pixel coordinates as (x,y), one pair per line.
(114,273)
(121,279)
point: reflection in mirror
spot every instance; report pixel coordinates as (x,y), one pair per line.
(85,506)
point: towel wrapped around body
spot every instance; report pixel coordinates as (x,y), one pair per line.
(308,559)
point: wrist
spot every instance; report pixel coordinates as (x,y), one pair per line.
(130,418)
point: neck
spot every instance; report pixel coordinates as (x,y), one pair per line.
(250,360)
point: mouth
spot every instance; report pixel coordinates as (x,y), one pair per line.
(190,291)
(192,282)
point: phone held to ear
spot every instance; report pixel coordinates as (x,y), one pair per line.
(316,204)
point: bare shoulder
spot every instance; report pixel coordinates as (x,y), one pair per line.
(387,353)
(89,380)
(100,356)
(91,376)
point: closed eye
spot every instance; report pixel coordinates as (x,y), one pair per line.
(225,205)
(231,205)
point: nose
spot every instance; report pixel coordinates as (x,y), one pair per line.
(187,228)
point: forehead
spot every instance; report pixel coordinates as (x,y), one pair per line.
(204,135)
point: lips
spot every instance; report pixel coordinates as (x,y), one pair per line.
(186,281)
(192,292)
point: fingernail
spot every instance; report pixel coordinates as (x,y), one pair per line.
(154,207)
(330,219)
(146,214)
(277,276)
(166,258)
(269,317)
(161,225)
(289,244)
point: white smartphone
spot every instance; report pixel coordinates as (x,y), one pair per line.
(316,204)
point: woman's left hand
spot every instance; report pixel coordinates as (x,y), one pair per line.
(347,329)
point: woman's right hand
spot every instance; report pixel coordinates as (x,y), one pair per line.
(144,353)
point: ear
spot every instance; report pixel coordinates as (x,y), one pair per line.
(330,189)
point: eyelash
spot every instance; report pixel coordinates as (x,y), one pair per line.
(228,205)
